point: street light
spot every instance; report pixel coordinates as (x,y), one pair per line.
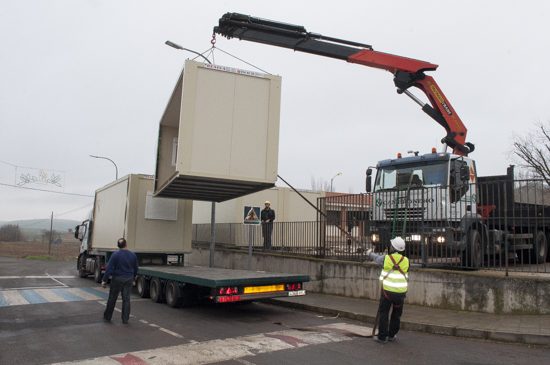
(338,174)
(177,46)
(113,162)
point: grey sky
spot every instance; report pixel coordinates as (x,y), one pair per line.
(93,77)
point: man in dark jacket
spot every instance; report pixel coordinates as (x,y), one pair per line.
(123,267)
(267,217)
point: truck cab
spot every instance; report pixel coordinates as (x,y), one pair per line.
(426,199)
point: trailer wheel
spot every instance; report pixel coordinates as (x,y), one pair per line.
(155,290)
(472,256)
(142,286)
(97,270)
(82,266)
(539,252)
(173,294)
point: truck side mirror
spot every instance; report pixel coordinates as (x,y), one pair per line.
(464,173)
(368,182)
(76,231)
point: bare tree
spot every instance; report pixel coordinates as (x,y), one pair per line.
(319,184)
(10,233)
(533,151)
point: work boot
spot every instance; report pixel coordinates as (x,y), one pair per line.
(380,340)
(392,338)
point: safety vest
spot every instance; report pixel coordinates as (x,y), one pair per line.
(394,275)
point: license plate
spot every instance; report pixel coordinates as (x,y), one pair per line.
(263,289)
(296,293)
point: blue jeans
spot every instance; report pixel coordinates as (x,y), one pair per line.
(119,284)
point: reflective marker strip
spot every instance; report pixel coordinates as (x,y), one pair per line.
(263,289)
(32,297)
(13,297)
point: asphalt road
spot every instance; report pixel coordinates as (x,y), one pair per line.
(66,324)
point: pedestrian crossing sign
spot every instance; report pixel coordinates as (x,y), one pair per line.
(251,215)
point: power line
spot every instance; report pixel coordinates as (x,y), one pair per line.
(45,190)
(72,210)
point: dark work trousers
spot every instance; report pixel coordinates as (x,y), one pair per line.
(267,230)
(387,301)
(119,284)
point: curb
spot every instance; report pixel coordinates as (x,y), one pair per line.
(500,336)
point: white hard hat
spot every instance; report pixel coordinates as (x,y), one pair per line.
(267,202)
(398,243)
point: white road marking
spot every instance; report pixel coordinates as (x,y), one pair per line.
(39,277)
(13,297)
(172,333)
(33,287)
(213,351)
(59,282)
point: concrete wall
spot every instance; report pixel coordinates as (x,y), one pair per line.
(483,292)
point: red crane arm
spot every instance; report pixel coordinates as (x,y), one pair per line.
(407,72)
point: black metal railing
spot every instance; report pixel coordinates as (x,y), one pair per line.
(496,223)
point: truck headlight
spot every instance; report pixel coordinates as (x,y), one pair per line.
(440,239)
(375,238)
(416,237)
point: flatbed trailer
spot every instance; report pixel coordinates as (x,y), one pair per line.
(188,285)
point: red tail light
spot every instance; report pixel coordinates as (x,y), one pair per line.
(230,298)
(294,286)
(232,290)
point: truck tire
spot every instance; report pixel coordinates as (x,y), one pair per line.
(173,294)
(155,290)
(472,256)
(142,286)
(539,253)
(81,263)
(97,270)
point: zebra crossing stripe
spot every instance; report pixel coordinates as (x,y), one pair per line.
(50,295)
(32,297)
(68,296)
(13,297)
(3,302)
(84,294)
(96,292)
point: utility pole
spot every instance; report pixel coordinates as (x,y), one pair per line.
(51,236)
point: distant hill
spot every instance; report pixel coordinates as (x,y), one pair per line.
(61,225)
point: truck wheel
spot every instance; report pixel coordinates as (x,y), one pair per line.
(97,270)
(173,294)
(142,286)
(82,266)
(155,290)
(540,248)
(472,257)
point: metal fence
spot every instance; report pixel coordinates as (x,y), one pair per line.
(497,224)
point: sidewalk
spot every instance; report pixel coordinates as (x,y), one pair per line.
(528,329)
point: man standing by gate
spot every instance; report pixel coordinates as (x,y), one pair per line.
(267,217)
(394,280)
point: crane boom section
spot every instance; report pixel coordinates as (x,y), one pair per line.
(408,72)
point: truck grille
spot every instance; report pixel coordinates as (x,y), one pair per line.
(404,213)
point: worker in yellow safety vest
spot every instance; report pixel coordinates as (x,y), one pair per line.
(393,278)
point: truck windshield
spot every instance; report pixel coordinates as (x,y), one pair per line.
(401,177)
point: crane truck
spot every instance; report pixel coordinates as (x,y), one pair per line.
(435,200)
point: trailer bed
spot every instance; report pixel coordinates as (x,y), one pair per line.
(216,277)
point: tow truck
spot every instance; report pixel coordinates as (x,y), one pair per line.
(435,200)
